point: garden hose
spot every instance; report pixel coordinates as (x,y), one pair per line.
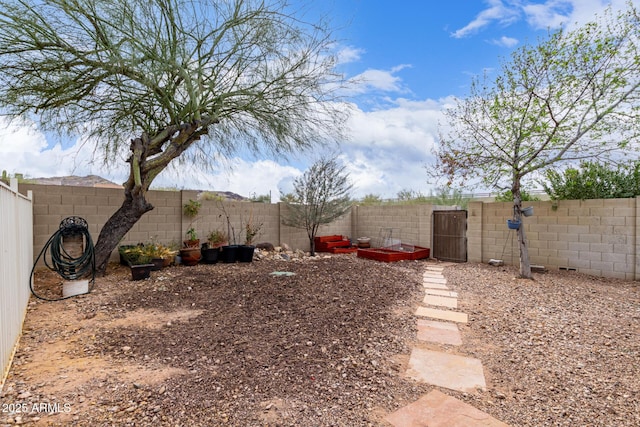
(68,266)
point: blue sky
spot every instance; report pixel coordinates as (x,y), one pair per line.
(412,57)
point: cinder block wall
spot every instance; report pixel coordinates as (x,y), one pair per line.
(597,237)
(166,222)
(409,223)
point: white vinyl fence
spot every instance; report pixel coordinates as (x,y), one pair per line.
(16,259)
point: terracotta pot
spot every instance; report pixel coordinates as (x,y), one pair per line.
(190,256)
(191,243)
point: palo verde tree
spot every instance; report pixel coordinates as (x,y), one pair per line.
(573,96)
(158,80)
(320,196)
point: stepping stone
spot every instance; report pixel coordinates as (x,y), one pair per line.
(441,292)
(439,332)
(440,301)
(446,370)
(434,313)
(430,285)
(432,274)
(434,280)
(436,409)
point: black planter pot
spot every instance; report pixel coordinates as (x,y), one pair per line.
(158,263)
(210,256)
(245,253)
(229,253)
(141,271)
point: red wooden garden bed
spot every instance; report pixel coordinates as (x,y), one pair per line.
(333,244)
(390,255)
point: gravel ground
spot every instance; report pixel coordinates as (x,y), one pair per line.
(561,350)
(236,345)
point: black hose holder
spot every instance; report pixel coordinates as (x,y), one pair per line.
(71,254)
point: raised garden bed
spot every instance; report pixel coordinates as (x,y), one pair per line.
(391,255)
(333,244)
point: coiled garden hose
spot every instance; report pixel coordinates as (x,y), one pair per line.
(69,267)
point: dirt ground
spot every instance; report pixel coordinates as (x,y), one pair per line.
(254,345)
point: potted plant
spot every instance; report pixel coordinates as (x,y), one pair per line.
(211,249)
(191,210)
(160,255)
(139,262)
(191,253)
(217,238)
(246,251)
(192,240)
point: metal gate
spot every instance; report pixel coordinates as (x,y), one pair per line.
(450,236)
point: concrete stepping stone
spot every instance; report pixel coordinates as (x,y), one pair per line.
(441,292)
(439,332)
(433,274)
(431,285)
(437,409)
(446,370)
(440,301)
(440,280)
(434,313)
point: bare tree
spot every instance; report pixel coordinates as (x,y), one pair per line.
(160,80)
(573,96)
(320,196)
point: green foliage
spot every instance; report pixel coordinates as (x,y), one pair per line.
(371,199)
(446,196)
(6,178)
(507,196)
(320,196)
(410,197)
(135,254)
(594,181)
(192,235)
(212,196)
(216,237)
(261,198)
(191,208)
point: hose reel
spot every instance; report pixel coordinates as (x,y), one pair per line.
(71,254)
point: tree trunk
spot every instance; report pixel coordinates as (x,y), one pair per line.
(117,226)
(525,263)
(149,156)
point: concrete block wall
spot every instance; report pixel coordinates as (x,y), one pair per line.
(596,237)
(409,223)
(165,223)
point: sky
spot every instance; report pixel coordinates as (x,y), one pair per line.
(411,59)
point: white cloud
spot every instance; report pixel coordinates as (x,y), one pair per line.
(388,148)
(20,137)
(539,15)
(349,54)
(552,14)
(496,12)
(505,41)
(379,80)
